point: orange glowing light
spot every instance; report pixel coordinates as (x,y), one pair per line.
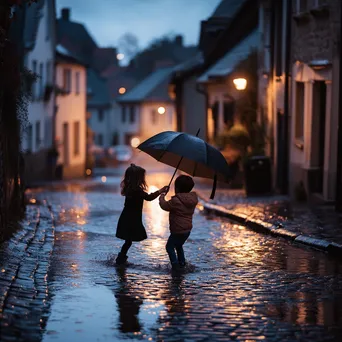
(122,90)
(88,172)
(104,179)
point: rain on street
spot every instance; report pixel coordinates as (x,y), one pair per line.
(239,285)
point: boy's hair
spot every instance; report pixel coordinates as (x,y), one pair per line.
(184,183)
(134,180)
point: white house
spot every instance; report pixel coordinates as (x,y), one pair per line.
(70,122)
(147,109)
(40,41)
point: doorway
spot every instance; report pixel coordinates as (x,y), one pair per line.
(318,134)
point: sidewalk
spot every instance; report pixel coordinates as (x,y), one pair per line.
(24,264)
(316,226)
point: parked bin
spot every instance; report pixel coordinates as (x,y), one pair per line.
(258,180)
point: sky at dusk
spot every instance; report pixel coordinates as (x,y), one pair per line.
(108,20)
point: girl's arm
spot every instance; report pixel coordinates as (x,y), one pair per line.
(152,196)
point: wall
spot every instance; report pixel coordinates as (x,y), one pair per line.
(164,122)
(71,109)
(195,109)
(315,38)
(40,111)
(101,123)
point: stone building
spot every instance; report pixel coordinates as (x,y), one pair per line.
(315,65)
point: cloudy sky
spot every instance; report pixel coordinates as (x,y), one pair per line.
(107,20)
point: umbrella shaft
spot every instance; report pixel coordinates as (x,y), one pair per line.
(173,176)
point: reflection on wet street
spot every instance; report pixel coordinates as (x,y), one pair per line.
(239,285)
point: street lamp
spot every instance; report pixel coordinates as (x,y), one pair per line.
(120,56)
(161,110)
(240,83)
(122,90)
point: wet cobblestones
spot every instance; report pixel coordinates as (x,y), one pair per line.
(239,285)
(320,222)
(24,263)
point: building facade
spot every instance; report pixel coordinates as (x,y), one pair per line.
(40,40)
(70,122)
(315,66)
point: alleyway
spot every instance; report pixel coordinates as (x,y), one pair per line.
(239,285)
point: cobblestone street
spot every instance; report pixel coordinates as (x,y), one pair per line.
(239,285)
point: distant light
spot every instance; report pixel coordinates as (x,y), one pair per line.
(240,83)
(122,90)
(33,200)
(104,179)
(120,56)
(88,172)
(135,142)
(161,110)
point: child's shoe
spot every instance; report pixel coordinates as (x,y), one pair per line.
(121,259)
(176,267)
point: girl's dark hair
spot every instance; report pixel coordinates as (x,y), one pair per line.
(134,180)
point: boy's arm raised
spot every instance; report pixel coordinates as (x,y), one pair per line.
(165,205)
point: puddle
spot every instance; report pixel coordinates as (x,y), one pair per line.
(82,314)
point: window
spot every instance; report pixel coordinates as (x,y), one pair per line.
(123,114)
(170,117)
(29,138)
(76,138)
(154,116)
(41,79)
(77,76)
(101,115)
(34,84)
(132,114)
(67,80)
(37,135)
(300,98)
(100,139)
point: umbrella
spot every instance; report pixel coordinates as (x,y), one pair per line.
(190,154)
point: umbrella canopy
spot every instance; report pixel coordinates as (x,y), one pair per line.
(190,154)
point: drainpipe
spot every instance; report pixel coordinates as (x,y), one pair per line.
(285,183)
(205,93)
(338,205)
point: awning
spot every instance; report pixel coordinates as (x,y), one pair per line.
(230,61)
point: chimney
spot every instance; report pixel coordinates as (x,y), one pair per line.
(179,40)
(66,14)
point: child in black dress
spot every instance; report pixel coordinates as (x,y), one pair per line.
(130,227)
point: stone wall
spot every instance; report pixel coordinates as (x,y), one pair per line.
(315,32)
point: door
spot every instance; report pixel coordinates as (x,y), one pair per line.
(66,144)
(318,139)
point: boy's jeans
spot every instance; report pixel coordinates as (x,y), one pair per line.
(176,242)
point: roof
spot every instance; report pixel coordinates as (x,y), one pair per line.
(154,88)
(64,55)
(190,64)
(227,8)
(229,62)
(32,19)
(76,38)
(98,95)
(103,58)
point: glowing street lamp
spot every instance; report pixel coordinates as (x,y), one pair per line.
(122,90)
(240,83)
(161,110)
(120,56)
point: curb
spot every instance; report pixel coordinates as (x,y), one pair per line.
(268,228)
